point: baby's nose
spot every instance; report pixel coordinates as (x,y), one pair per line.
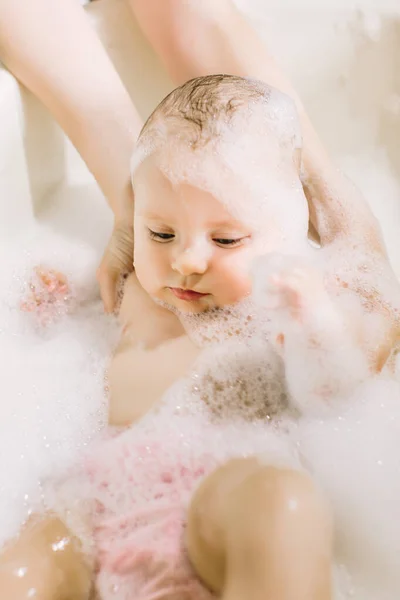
(190,261)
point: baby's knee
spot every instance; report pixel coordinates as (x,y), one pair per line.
(285,505)
(245,501)
(285,491)
(285,486)
(245,496)
(44,561)
(206,523)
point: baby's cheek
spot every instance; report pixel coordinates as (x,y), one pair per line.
(144,273)
(236,283)
(233,277)
(148,279)
(147,268)
(243,286)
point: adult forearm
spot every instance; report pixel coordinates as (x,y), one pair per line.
(50,46)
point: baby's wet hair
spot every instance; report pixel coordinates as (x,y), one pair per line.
(201,110)
(202,103)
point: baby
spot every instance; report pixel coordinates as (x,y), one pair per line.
(216,175)
(238,141)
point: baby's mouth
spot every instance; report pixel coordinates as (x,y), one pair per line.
(187,295)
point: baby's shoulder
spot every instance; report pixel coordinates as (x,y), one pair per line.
(138,377)
(144,322)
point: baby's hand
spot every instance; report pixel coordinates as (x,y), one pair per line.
(289,284)
(48,295)
(116,264)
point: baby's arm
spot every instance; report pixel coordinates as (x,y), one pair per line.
(323,358)
(153,353)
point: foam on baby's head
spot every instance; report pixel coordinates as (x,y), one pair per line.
(208,109)
(228,134)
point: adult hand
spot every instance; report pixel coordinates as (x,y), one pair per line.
(116,262)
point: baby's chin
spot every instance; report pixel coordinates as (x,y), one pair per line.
(194,308)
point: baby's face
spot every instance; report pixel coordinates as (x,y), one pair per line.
(190,252)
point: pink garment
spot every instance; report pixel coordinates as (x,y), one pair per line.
(141,493)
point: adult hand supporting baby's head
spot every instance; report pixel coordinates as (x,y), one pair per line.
(117,261)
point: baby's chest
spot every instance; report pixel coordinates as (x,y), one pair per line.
(234,381)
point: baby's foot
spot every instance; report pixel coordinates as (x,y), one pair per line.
(48,295)
(289,284)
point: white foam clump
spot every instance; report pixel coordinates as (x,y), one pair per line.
(353,452)
(351,442)
(52,376)
(322,360)
(355,455)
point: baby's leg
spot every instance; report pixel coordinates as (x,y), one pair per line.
(44,563)
(257,532)
(323,358)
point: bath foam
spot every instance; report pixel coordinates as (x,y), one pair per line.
(137,487)
(273,112)
(193,424)
(355,455)
(351,452)
(313,319)
(182,415)
(52,375)
(354,450)
(134,489)
(236,177)
(204,420)
(230,162)
(223,409)
(239,375)
(239,383)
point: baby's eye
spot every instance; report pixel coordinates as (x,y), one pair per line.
(158,236)
(228,241)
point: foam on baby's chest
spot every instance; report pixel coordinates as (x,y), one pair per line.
(239,374)
(240,381)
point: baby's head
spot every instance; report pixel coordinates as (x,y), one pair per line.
(216,181)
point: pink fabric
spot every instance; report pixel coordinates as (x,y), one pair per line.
(141,495)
